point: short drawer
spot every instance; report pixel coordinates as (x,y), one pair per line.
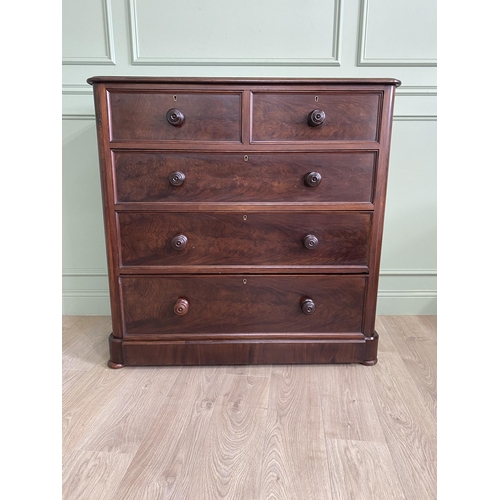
(236,239)
(327,116)
(175,116)
(238,177)
(247,304)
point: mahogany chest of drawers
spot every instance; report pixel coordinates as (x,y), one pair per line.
(243,217)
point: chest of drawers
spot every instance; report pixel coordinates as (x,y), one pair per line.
(243,217)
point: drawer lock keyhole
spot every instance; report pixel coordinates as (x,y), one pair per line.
(308,306)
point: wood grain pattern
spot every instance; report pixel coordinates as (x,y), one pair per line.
(408,425)
(93,475)
(121,426)
(385,343)
(379,199)
(90,351)
(242,304)
(250,432)
(229,177)
(240,205)
(165,463)
(86,399)
(208,116)
(233,239)
(284,116)
(230,467)
(70,333)
(417,346)
(278,351)
(366,469)
(69,379)
(347,407)
(295,465)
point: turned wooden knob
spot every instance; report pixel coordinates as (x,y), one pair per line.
(179,242)
(312,179)
(307,306)
(316,117)
(310,241)
(175,117)
(181,307)
(176,178)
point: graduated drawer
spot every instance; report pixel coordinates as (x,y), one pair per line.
(348,116)
(136,116)
(246,304)
(236,239)
(238,177)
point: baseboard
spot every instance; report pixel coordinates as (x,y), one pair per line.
(406,302)
(85,303)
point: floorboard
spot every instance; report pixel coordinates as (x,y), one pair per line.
(287,432)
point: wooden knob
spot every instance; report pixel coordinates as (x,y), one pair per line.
(175,117)
(307,306)
(179,242)
(176,178)
(181,307)
(310,241)
(316,117)
(312,179)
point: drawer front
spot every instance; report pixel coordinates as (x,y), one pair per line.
(286,116)
(236,239)
(270,177)
(159,306)
(199,117)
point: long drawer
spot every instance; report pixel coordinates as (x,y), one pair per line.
(242,304)
(236,239)
(237,177)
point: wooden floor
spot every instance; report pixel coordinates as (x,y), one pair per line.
(251,432)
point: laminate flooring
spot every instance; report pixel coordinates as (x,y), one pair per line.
(287,432)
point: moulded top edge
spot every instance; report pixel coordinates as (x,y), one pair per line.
(256,80)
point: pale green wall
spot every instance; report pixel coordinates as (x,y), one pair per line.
(282,38)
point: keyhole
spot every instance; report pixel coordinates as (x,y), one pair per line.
(316,98)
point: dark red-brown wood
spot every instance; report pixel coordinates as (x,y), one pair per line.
(242,304)
(282,351)
(206,116)
(233,239)
(143,176)
(243,217)
(347,116)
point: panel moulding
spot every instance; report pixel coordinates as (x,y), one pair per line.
(137,59)
(408,272)
(389,62)
(417,91)
(109,59)
(415,118)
